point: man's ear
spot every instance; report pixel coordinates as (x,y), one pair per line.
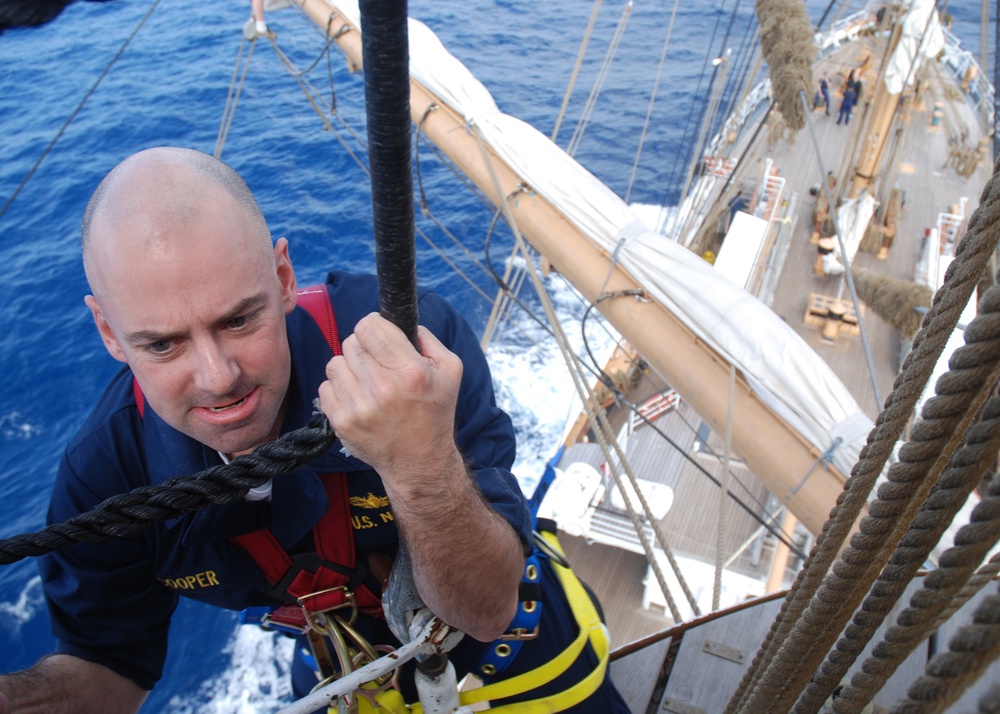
(286,275)
(107,336)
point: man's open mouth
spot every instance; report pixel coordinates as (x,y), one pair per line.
(228,406)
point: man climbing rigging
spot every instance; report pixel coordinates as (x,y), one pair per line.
(192,296)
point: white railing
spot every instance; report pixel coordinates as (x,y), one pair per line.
(981,91)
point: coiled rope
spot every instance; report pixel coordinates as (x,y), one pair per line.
(974,249)
(130,513)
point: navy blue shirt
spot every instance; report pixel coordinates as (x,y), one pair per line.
(111,603)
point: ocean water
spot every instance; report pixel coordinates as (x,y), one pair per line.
(169,88)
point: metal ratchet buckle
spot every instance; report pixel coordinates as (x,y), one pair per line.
(520,633)
(311,613)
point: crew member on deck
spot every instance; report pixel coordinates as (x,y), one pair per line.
(219,356)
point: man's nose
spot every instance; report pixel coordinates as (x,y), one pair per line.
(217,371)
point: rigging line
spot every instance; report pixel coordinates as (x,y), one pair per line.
(826,12)
(308,89)
(741,79)
(454,266)
(79,107)
(602,76)
(596,417)
(720,545)
(675,181)
(767,522)
(305,82)
(323,52)
(425,204)
(504,286)
(847,261)
(652,99)
(706,448)
(775,531)
(445,161)
(598,372)
(576,67)
(707,118)
(233,98)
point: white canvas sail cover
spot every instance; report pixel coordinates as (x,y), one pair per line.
(779,366)
(921,37)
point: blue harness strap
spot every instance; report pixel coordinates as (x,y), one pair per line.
(524,626)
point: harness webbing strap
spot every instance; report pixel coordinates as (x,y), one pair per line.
(322,586)
(591,630)
(316,301)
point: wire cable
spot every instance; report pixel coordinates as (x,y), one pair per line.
(72,116)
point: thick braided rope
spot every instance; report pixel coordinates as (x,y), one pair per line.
(971,650)
(130,513)
(914,624)
(990,702)
(961,392)
(972,252)
(976,583)
(975,369)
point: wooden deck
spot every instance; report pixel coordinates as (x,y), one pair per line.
(929,188)
(788,284)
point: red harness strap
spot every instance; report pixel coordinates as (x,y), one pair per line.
(327,579)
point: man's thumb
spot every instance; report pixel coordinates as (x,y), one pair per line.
(5,707)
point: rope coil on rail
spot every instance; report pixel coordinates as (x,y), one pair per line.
(130,513)
(972,252)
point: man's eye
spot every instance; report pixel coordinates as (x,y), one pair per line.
(238,322)
(158,347)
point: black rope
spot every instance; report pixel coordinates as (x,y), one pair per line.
(29,13)
(685,157)
(131,513)
(385,58)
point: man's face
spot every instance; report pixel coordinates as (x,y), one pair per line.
(196,307)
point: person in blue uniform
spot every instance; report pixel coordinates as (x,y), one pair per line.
(192,296)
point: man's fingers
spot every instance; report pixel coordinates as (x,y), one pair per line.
(385,342)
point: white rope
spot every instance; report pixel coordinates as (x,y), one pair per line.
(602,76)
(720,546)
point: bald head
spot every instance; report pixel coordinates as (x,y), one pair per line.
(157,189)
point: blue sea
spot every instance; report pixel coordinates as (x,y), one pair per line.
(169,87)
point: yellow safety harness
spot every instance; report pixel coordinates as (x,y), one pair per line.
(591,630)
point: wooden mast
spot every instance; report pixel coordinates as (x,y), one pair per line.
(777,454)
(873,145)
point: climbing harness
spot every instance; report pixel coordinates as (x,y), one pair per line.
(323,590)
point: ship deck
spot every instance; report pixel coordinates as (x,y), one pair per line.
(930,186)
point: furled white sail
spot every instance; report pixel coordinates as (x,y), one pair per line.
(922,36)
(780,367)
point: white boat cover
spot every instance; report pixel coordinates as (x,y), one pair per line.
(922,36)
(779,366)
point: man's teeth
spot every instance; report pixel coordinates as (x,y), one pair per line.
(228,406)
